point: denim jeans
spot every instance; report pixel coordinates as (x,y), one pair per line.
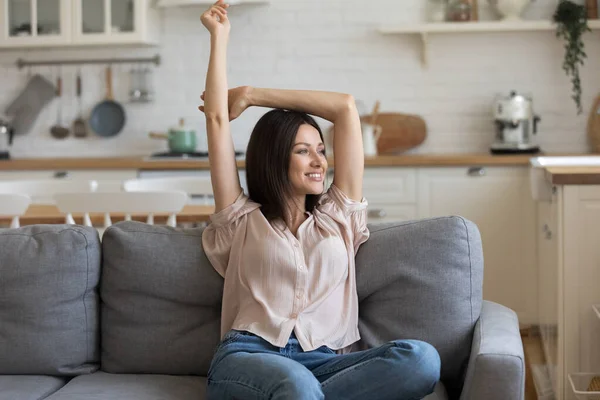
(247,367)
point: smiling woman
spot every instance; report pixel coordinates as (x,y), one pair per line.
(286,250)
(283,148)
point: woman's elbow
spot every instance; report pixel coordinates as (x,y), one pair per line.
(348,103)
(216,118)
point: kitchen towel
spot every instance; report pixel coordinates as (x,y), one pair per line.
(29,103)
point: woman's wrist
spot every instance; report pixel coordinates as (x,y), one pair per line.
(251,96)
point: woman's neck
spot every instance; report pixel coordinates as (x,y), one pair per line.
(296,214)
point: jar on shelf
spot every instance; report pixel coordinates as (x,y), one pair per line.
(436,10)
(459,11)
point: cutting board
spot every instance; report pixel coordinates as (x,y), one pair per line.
(594,126)
(400,132)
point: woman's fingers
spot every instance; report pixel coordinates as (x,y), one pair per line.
(221,3)
(202,96)
(220,12)
(201,108)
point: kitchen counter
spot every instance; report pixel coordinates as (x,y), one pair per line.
(143,163)
(573,175)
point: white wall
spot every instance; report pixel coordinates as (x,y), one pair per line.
(327,45)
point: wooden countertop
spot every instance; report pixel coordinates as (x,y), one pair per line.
(143,163)
(573,175)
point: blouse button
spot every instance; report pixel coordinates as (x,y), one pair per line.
(294,315)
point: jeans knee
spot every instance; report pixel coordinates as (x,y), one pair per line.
(299,384)
(426,364)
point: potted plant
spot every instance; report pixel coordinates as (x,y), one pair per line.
(571,24)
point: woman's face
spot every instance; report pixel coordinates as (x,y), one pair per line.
(308,163)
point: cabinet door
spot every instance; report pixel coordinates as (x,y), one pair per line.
(548,295)
(581,276)
(35,23)
(498,200)
(111,21)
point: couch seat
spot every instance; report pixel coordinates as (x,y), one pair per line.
(104,386)
(29,387)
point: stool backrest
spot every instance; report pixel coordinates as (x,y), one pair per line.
(127,203)
(43,190)
(14,205)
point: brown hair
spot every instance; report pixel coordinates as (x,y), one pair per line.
(268,161)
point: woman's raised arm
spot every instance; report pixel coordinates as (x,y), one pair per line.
(221,153)
(338,108)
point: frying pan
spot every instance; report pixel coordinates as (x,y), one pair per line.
(108,117)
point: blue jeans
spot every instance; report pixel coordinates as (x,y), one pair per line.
(247,367)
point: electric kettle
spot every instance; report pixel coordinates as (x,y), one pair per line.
(6,138)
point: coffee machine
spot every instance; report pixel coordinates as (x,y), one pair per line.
(6,138)
(516,125)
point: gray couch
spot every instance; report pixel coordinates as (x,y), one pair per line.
(136,317)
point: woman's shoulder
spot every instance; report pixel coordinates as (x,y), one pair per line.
(242,206)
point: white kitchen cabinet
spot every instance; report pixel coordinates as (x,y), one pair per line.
(498,200)
(114,22)
(108,180)
(77,22)
(569,279)
(25,175)
(30,23)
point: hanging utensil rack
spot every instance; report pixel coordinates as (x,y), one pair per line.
(155,60)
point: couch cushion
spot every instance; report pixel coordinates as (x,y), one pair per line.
(29,387)
(48,300)
(103,386)
(422,280)
(161,301)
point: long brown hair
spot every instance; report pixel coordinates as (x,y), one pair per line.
(268,161)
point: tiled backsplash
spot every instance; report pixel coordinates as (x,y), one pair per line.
(325,45)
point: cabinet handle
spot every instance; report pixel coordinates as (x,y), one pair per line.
(61,174)
(377,213)
(476,171)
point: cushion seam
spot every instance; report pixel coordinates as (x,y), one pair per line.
(470,268)
(413,223)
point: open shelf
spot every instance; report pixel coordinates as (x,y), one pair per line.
(182,3)
(425,29)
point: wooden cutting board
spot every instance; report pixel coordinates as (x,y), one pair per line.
(400,132)
(594,126)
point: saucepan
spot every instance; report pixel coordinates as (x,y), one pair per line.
(181,139)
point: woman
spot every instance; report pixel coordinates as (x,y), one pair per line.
(287,250)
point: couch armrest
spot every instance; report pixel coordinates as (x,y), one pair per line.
(496,367)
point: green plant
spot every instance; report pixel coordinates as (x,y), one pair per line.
(571,24)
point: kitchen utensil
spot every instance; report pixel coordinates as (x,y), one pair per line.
(594,126)
(375,113)
(6,138)
(399,132)
(59,131)
(108,117)
(516,125)
(26,107)
(371,134)
(79,127)
(181,139)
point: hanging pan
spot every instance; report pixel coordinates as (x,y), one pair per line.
(108,117)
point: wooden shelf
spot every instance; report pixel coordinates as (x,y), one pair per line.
(425,29)
(182,3)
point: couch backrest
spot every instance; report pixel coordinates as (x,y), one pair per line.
(161,301)
(161,298)
(422,280)
(49,312)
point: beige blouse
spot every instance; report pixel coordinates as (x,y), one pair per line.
(276,282)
